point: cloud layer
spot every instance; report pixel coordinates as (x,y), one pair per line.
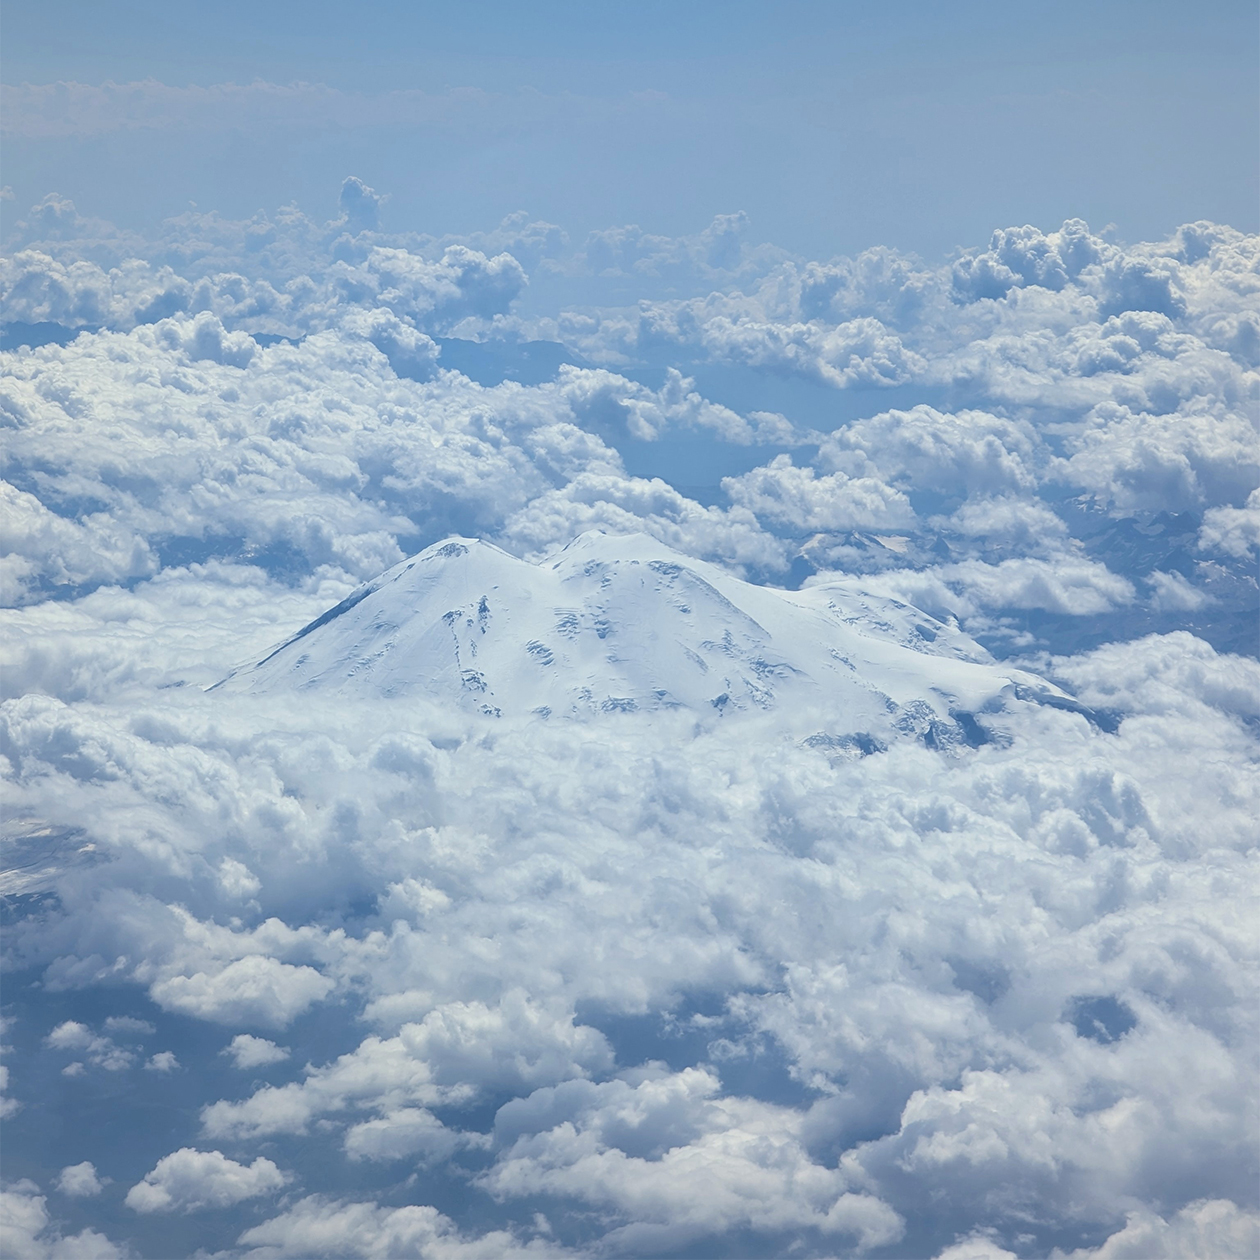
(412,980)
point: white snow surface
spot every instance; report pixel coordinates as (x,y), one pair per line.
(614,624)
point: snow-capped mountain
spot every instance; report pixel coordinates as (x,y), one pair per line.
(616,624)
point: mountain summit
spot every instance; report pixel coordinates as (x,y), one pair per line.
(619,624)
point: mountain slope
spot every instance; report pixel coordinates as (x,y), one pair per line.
(624,624)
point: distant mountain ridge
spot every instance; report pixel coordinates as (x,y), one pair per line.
(617,624)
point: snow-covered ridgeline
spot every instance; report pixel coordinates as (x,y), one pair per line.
(615,624)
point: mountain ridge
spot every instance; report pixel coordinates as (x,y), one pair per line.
(623,623)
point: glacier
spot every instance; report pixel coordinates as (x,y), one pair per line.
(615,624)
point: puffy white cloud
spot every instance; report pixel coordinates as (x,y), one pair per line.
(1008,853)
(612,405)
(632,505)
(30,1233)
(857,352)
(1141,284)
(960,453)
(236,879)
(42,548)
(1167,462)
(1234,531)
(318,1226)
(1165,674)
(879,282)
(251,1052)
(188,1180)
(1140,357)
(255,989)
(1173,591)
(977,1135)
(360,205)
(437,293)
(942,999)
(101,1051)
(793,498)
(1026,256)
(80,1180)
(88,648)
(1025,525)
(319,455)
(37,288)
(454,1053)
(409,351)
(1210,1227)
(977,1247)
(1060,809)
(721,247)
(1067,583)
(8,1106)
(409,1131)
(204,337)
(129,1025)
(677,1162)
(404,291)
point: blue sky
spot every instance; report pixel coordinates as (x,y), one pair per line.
(834,126)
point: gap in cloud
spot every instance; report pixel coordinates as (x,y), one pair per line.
(124,1118)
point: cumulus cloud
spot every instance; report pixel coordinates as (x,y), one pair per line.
(409,351)
(439,293)
(1026,256)
(454,1053)
(338,475)
(630,250)
(101,1051)
(360,205)
(960,453)
(409,1131)
(664,1152)
(8,1106)
(1173,591)
(634,504)
(37,288)
(458,285)
(749,982)
(1210,1227)
(80,1180)
(255,989)
(251,1052)
(42,548)
(873,1035)
(1235,531)
(317,1226)
(29,1231)
(977,1247)
(857,352)
(189,1180)
(1174,673)
(1025,525)
(1065,584)
(609,403)
(784,495)
(1169,462)
(205,338)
